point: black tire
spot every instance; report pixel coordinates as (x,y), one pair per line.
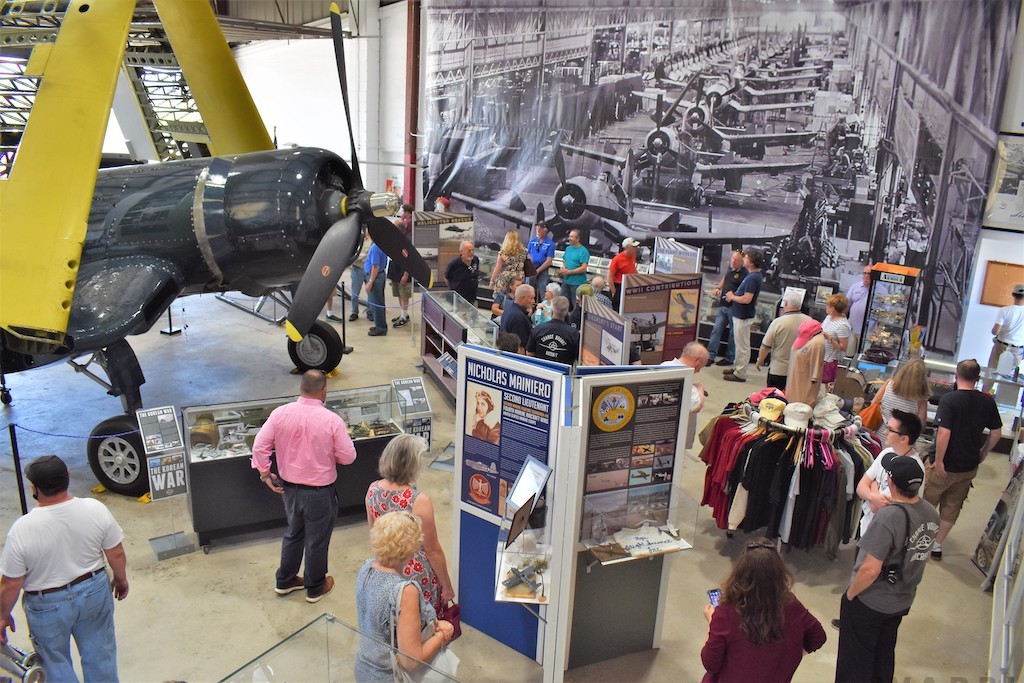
(320,349)
(119,462)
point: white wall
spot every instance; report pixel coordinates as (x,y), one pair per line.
(976,337)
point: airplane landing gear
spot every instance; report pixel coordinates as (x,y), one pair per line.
(320,349)
(117,456)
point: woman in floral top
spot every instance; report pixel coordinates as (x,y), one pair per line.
(399,466)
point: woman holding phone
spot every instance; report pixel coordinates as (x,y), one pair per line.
(759,630)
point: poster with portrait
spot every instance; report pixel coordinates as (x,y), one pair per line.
(507,418)
(662,311)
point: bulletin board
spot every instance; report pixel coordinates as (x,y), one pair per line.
(1000,278)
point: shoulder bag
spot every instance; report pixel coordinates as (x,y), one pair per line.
(441,668)
(871,415)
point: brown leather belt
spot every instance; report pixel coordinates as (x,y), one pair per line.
(80,579)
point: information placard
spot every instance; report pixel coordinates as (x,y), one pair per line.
(662,311)
(508,419)
(160,429)
(167,476)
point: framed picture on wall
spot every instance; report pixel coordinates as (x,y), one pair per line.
(1000,277)
(1005,207)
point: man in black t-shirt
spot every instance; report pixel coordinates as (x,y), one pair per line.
(463,272)
(556,339)
(516,318)
(960,446)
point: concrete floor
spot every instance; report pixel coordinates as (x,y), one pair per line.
(199,617)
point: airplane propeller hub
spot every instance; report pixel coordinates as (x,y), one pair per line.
(658,142)
(570,201)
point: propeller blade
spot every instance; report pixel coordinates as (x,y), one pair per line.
(603,212)
(540,213)
(333,253)
(657,111)
(397,246)
(556,150)
(337,36)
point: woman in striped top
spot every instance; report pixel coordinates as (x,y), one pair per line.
(908,391)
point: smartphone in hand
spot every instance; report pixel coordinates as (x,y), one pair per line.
(713,596)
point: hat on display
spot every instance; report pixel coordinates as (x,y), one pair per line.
(630,242)
(48,473)
(797,415)
(826,412)
(904,471)
(441,204)
(771,409)
(807,329)
(1018,289)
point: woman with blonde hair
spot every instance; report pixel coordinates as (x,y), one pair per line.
(391,609)
(908,391)
(759,631)
(399,467)
(511,262)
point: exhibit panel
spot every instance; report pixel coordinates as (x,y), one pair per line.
(509,413)
(227,499)
(626,514)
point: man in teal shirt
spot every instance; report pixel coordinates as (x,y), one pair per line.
(575,259)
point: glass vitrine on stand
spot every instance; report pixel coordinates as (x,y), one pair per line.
(449,321)
(884,337)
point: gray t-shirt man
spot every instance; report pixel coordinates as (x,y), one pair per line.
(884,540)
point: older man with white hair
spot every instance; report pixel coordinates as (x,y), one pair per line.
(695,355)
(778,340)
(598,283)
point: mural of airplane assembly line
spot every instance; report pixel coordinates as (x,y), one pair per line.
(811,133)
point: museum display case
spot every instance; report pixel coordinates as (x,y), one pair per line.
(884,337)
(226,497)
(1007,392)
(449,321)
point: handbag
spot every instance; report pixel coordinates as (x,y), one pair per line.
(452,613)
(871,415)
(442,667)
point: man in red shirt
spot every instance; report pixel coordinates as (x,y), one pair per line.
(310,441)
(624,263)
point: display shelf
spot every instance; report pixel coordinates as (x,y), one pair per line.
(226,498)
(884,336)
(448,322)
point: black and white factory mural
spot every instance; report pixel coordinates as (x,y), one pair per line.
(827,133)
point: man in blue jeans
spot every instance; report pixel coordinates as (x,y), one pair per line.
(310,441)
(375,268)
(730,281)
(56,553)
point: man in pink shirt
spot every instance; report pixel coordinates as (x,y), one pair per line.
(310,441)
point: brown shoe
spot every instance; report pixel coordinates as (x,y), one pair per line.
(327,588)
(728,371)
(294,585)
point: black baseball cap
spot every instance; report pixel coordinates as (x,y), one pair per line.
(904,471)
(49,474)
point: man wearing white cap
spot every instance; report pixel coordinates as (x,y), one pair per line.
(624,263)
(1008,330)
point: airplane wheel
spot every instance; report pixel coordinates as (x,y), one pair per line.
(320,349)
(117,459)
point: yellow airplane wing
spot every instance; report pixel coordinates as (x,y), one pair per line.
(45,200)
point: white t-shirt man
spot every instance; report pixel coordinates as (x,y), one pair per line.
(1011,325)
(53,545)
(878,473)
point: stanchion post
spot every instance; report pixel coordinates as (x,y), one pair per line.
(17,468)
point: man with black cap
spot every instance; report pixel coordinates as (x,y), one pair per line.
(55,553)
(891,556)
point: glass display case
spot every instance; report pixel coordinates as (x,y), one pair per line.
(884,337)
(228,430)
(1007,392)
(448,322)
(226,498)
